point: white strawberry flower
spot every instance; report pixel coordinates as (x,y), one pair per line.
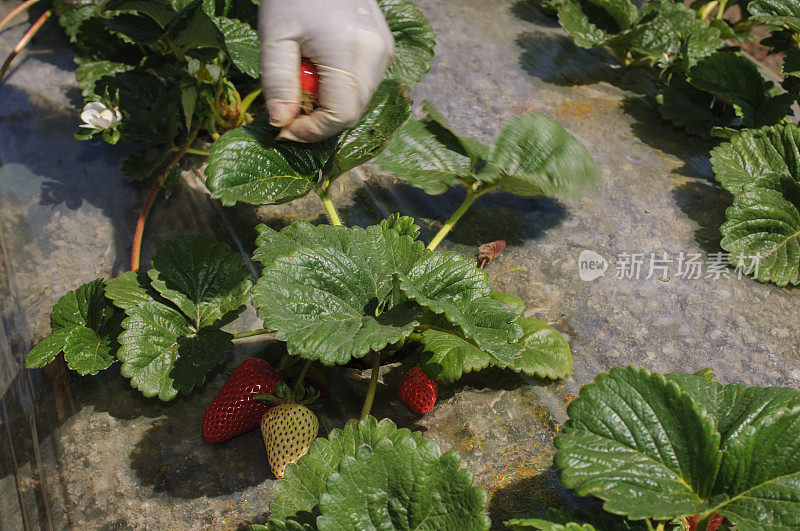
(97,115)
(207,73)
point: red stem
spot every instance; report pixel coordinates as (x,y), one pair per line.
(24,41)
(16,11)
(148,203)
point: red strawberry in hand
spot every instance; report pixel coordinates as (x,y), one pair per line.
(309,82)
(234,410)
(417,391)
(713,522)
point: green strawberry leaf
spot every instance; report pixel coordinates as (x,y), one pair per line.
(248,165)
(429,155)
(776,13)
(388,109)
(546,352)
(159,11)
(413,41)
(403,225)
(569,520)
(664,24)
(737,80)
(87,352)
(198,355)
(193,28)
(448,355)
(84,326)
(735,407)
(144,162)
(416,155)
(151,110)
(752,154)
(402,484)
(690,108)
(662,447)
(547,525)
(450,352)
(204,278)
(761,471)
(149,342)
(588,23)
(297,494)
(534,155)
(135,28)
(762,231)
(332,300)
(171,337)
(89,72)
(641,444)
(512,303)
(241,44)
(46,350)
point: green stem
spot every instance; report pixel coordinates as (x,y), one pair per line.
(472,195)
(250,333)
(325,196)
(509,270)
(201,152)
(302,376)
(414,336)
(248,100)
(373,385)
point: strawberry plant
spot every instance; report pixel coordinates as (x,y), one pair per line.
(680,449)
(160,74)
(374,475)
(333,294)
(639,35)
(762,230)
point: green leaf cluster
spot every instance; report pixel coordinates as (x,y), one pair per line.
(336,293)
(531,156)
(163,325)
(723,90)
(84,326)
(374,475)
(639,35)
(660,447)
(175,68)
(762,230)
(248,165)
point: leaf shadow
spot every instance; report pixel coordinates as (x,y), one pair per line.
(649,127)
(705,203)
(556,59)
(528,496)
(533,11)
(169,455)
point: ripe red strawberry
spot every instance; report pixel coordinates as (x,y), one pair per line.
(309,82)
(417,391)
(235,410)
(713,522)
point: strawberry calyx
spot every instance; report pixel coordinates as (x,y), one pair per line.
(286,395)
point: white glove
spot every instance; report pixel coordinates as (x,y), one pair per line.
(349,42)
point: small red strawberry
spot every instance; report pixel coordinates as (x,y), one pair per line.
(309,82)
(235,410)
(288,429)
(713,522)
(417,391)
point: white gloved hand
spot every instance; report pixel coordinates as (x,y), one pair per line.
(349,42)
